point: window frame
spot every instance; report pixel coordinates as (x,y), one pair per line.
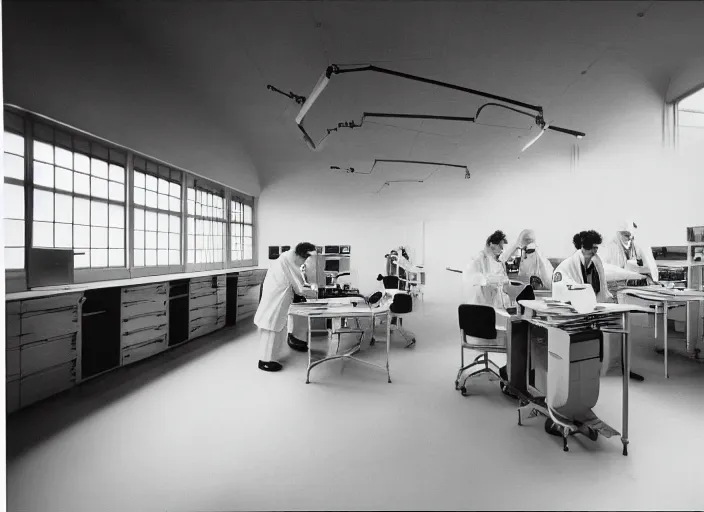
(16,279)
(220,191)
(90,149)
(143,271)
(248,201)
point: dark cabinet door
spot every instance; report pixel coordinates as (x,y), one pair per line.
(231,304)
(100,331)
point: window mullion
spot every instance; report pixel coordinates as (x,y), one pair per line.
(28,193)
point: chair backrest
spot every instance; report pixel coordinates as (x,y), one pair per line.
(375,297)
(526,294)
(401,304)
(478,321)
(390,282)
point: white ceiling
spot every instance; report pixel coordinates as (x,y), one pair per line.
(536,52)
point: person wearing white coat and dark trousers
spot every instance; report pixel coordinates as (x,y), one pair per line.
(283,278)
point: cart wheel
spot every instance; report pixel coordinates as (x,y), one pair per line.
(625,449)
(389,381)
(463,390)
(519,419)
(457,385)
(372,341)
(593,434)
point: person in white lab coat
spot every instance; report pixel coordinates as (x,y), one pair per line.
(624,252)
(535,268)
(283,278)
(485,278)
(585,266)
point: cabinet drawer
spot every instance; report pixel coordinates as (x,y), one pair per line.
(40,326)
(142,307)
(144,321)
(47,383)
(12,341)
(12,396)
(209,319)
(12,324)
(47,354)
(51,303)
(211,310)
(140,336)
(145,292)
(200,330)
(584,350)
(204,301)
(203,292)
(12,363)
(143,350)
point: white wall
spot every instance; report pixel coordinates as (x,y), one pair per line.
(74,62)
(623,172)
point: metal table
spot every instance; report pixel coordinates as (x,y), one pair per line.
(343,308)
(669,299)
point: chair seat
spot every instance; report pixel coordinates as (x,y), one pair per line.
(485,348)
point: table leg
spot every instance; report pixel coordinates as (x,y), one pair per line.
(664,337)
(388,344)
(310,339)
(627,368)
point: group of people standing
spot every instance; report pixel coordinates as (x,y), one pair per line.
(487,282)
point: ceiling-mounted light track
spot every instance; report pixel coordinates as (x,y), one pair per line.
(336,69)
(349,170)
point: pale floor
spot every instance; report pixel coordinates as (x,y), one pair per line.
(201,428)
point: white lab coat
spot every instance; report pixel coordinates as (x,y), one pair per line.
(536,264)
(283,278)
(484,279)
(615,254)
(570,272)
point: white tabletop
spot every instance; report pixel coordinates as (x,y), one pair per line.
(47,291)
(658,293)
(336,307)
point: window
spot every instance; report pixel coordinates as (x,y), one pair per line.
(205,226)
(79,198)
(13,191)
(67,189)
(157,215)
(240,230)
(690,110)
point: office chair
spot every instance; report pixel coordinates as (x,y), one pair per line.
(479,331)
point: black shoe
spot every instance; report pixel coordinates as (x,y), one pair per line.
(270,366)
(635,376)
(297,344)
(552,429)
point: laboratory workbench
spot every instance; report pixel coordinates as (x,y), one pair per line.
(59,336)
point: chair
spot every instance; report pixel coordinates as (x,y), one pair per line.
(479,331)
(402,305)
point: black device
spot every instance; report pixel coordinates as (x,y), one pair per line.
(273,252)
(332,265)
(332,249)
(345,249)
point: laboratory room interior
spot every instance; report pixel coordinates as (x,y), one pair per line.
(353,255)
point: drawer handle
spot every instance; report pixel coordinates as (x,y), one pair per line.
(144,315)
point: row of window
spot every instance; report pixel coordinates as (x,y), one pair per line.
(79,200)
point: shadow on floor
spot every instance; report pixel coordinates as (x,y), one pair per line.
(25,429)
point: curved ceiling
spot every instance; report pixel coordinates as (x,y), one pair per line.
(545,53)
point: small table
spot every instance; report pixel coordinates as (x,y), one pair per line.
(669,299)
(348,307)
